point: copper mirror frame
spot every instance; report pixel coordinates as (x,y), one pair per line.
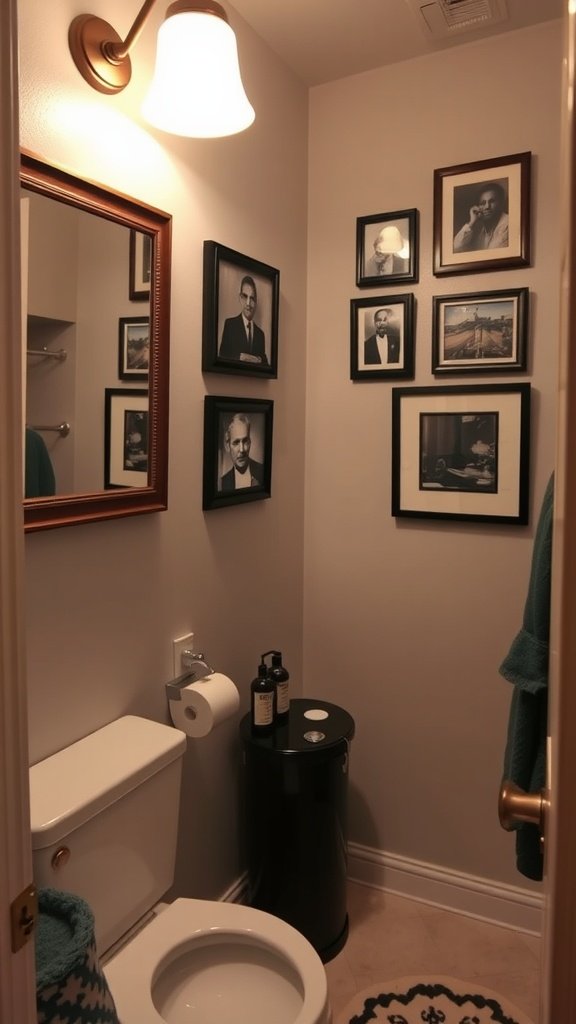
(70,509)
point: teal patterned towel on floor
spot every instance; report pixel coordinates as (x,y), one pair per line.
(70,985)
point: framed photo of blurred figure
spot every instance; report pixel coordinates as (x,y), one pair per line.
(481,332)
(140,265)
(126,437)
(387,249)
(482,215)
(239,313)
(237,450)
(462,452)
(382,337)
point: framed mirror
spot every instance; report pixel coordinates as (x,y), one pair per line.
(96,316)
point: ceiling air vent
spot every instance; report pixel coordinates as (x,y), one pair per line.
(444,18)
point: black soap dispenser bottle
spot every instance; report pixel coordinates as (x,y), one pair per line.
(262,702)
(280,676)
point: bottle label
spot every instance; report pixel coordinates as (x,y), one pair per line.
(282,698)
(263,708)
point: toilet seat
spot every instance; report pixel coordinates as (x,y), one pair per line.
(277,963)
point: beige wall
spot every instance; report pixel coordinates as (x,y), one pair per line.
(406,621)
(104,601)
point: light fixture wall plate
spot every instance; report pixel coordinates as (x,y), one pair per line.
(89,39)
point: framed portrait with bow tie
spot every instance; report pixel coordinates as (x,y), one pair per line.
(387,249)
(239,313)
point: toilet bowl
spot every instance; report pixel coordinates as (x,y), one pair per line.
(104,815)
(202,962)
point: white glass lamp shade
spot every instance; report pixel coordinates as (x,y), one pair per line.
(197,90)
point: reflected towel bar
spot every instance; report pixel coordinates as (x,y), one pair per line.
(63,428)
(46,353)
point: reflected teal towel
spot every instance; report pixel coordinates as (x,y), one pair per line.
(70,986)
(526,666)
(39,479)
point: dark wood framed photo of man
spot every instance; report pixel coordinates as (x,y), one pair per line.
(240,313)
(237,450)
(482,215)
(481,332)
(382,337)
(387,249)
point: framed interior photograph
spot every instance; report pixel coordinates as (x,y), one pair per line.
(237,450)
(387,249)
(382,337)
(481,332)
(133,347)
(482,215)
(125,437)
(140,265)
(462,452)
(240,313)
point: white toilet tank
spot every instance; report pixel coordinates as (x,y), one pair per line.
(104,815)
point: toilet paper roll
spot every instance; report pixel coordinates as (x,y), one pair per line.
(204,704)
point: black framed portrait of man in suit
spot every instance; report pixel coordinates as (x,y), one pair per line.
(240,313)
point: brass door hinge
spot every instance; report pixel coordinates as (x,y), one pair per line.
(23,914)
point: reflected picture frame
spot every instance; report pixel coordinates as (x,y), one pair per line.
(126,436)
(387,249)
(230,279)
(462,453)
(482,215)
(480,332)
(248,477)
(140,266)
(382,337)
(133,347)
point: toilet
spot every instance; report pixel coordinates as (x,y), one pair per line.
(104,815)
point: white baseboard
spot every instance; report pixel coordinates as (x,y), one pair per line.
(482,898)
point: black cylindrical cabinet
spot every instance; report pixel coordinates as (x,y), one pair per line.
(295,789)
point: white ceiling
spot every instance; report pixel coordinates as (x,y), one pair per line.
(322,40)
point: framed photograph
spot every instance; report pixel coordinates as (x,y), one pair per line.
(481,332)
(461,452)
(482,215)
(240,313)
(387,249)
(133,347)
(237,450)
(382,337)
(140,265)
(125,437)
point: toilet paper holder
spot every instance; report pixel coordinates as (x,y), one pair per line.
(195,668)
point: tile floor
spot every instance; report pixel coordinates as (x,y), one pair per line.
(390,937)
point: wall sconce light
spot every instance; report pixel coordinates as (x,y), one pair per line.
(196,90)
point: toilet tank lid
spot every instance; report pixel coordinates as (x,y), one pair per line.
(74,784)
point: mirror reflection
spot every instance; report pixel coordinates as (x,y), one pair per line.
(96,285)
(84,334)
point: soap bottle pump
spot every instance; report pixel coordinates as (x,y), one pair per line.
(262,701)
(280,676)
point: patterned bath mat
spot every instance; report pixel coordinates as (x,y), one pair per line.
(434,1000)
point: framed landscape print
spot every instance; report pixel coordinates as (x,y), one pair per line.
(240,313)
(387,249)
(382,337)
(461,452)
(237,450)
(481,332)
(133,347)
(482,215)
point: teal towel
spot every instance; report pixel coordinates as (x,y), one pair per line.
(526,667)
(39,479)
(70,986)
